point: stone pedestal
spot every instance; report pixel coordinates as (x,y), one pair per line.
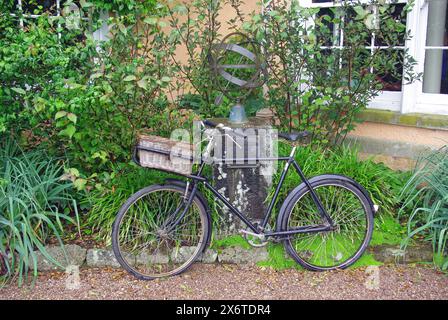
(245,184)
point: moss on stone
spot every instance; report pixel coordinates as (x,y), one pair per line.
(409,119)
(378,116)
(434,121)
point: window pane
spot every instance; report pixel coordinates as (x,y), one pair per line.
(391,79)
(39,6)
(436,34)
(397,15)
(435,78)
(352,33)
(326,31)
(436,59)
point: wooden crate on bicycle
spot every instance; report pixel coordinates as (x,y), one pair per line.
(165,154)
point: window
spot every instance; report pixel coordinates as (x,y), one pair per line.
(429,46)
(390,97)
(435,78)
(427,23)
(32,9)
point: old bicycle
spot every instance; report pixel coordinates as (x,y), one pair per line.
(324,223)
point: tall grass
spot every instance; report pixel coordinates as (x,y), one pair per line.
(34,203)
(383,184)
(104,204)
(425,196)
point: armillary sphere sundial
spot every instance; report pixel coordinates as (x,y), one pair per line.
(237,69)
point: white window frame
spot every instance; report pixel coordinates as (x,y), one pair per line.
(414,99)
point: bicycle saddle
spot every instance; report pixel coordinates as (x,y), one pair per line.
(293,136)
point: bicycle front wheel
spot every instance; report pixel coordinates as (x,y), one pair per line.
(352,216)
(151,237)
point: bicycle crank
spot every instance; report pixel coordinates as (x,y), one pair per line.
(256,240)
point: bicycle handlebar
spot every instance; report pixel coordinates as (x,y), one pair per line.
(209,123)
(222,127)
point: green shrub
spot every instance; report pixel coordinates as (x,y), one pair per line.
(81,98)
(425,203)
(41,73)
(34,203)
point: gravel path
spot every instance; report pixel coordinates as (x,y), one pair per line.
(243,282)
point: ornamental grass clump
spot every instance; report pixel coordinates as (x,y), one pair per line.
(35,204)
(425,199)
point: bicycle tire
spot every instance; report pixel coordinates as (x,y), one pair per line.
(298,195)
(199,247)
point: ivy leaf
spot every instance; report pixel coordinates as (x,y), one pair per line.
(80,184)
(246,25)
(129,78)
(96,75)
(102,155)
(69,131)
(370,22)
(180,8)
(19,90)
(166,79)
(361,13)
(85,4)
(142,84)
(74,172)
(122,28)
(60,114)
(72,117)
(150,20)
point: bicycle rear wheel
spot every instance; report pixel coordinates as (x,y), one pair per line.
(151,239)
(352,216)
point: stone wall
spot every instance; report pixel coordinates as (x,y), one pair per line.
(101,257)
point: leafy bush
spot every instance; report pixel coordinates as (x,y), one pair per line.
(84,99)
(313,83)
(195,28)
(128,85)
(124,7)
(34,203)
(39,66)
(425,196)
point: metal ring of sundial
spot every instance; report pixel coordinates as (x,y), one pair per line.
(218,54)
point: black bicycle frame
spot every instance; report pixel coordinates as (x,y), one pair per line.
(328,226)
